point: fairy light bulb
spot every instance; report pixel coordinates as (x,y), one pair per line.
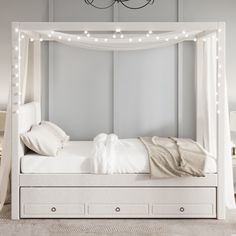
(121,36)
(176,37)
(16,30)
(69,39)
(15,84)
(140,40)
(150,31)
(96,39)
(17,103)
(88,35)
(85,31)
(186,35)
(22,36)
(78,37)
(113,36)
(16,112)
(52,32)
(130,40)
(105,40)
(16,48)
(31,40)
(147,35)
(118,30)
(59,37)
(49,35)
(166,39)
(219,30)
(41,39)
(16,66)
(157,38)
(195,40)
(218,84)
(183,32)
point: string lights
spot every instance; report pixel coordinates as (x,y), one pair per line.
(147,36)
(116,36)
(15,84)
(219,69)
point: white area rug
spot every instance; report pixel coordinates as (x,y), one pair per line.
(117,227)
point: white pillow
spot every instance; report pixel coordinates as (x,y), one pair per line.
(42,140)
(57,131)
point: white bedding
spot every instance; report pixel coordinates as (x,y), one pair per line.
(76,158)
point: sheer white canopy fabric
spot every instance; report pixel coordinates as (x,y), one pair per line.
(128,42)
(5,167)
(206,94)
(206,84)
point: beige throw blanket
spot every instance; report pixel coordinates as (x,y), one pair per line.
(171,157)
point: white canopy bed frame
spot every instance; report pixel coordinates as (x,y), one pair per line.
(113,196)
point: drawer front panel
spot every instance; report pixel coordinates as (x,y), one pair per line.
(54,210)
(183,210)
(118,209)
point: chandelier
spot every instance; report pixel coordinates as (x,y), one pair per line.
(125,3)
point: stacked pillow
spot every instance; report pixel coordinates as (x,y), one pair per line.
(46,139)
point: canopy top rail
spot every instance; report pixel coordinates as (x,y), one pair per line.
(123,26)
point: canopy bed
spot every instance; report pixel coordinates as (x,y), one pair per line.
(60,191)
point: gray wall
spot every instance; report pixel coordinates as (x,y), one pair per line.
(88,107)
(131,103)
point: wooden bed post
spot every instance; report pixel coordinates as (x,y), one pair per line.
(220,125)
(15,105)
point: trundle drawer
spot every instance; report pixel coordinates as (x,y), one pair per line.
(118,209)
(182,210)
(117,202)
(54,210)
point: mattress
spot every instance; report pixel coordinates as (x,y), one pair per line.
(75,157)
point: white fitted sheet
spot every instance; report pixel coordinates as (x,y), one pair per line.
(75,158)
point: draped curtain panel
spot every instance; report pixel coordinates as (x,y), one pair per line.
(206,83)
(206,94)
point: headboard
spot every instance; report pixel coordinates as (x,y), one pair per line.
(29,114)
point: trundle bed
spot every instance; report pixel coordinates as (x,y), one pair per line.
(62,187)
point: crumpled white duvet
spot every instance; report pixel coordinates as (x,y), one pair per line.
(111,155)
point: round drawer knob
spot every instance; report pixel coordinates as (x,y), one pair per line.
(117,209)
(53,209)
(181,209)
